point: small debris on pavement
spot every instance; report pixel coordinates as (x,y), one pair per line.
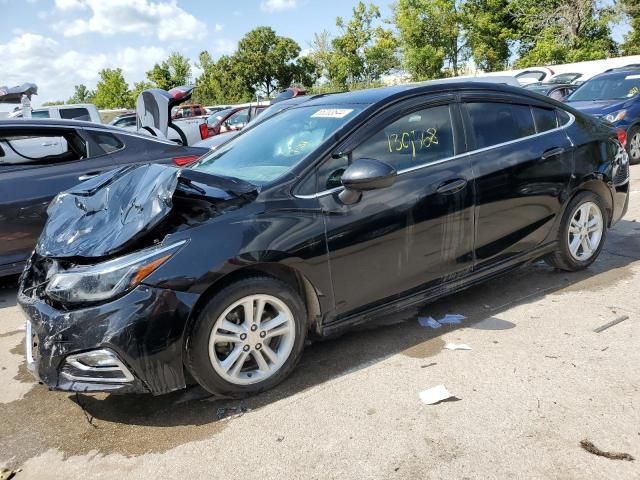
(6,474)
(457,346)
(448,319)
(435,395)
(591,448)
(429,365)
(428,322)
(279,438)
(227,413)
(611,323)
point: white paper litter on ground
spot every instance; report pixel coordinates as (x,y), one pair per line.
(428,322)
(434,395)
(452,319)
(457,346)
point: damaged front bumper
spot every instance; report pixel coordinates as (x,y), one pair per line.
(132,344)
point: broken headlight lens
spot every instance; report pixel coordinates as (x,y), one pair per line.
(106,280)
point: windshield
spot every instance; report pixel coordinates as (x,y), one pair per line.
(612,87)
(271,149)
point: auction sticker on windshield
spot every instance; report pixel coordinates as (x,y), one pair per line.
(332,113)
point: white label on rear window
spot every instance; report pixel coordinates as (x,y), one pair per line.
(332,113)
(632,77)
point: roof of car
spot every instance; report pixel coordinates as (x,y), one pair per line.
(48,122)
(376,95)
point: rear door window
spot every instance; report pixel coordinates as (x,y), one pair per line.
(76,113)
(493,123)
(107,142)
(545,119)
(40,148)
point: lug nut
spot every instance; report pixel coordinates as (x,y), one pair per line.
(258,346)
(254,328)
(243,336)
(263,334)
(246,348)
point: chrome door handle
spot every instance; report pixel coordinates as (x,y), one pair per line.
(452,186)
(552,152)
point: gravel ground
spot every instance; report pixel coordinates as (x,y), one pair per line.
(537,381)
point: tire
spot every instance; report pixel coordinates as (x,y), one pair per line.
(633,145)
(209,344)
(571,259)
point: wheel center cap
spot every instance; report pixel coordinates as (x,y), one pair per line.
(253,338)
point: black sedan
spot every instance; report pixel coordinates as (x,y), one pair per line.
(40,158)
(331,213)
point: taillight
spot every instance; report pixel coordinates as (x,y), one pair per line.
(204,130)
(622,136)
(184,161)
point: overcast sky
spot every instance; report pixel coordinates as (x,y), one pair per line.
(61,43)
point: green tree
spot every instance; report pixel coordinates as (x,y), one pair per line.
(172,72)
(431,37)
(112,91)
(321,51)
(490,31)
(52,103)
(221,81)
(364,51)
(81,94)
(267,62)
(562,31)
(135,92)
(631,44)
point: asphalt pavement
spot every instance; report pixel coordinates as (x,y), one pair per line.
(537,381)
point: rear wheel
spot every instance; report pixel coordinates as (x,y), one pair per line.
(248,337)
(633,141)
(582,233)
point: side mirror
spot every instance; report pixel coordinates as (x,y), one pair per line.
(365,174)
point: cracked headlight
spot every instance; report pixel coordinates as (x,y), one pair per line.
(95,283)
(614,117)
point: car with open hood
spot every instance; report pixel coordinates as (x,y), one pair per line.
(613,96)
(334,212)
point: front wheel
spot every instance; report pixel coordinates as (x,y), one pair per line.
(582,233)
(248,337)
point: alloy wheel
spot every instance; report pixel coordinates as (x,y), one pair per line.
(585,231)
(252,339)
(634,147)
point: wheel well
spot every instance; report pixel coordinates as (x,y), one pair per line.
(598,187)
(286,274)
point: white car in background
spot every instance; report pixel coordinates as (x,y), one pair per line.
(86,112)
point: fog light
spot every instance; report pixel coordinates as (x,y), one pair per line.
(96,366)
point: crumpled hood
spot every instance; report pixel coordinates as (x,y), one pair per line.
(598,107)
(106,214)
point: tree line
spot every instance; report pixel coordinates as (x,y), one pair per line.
(423,39)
